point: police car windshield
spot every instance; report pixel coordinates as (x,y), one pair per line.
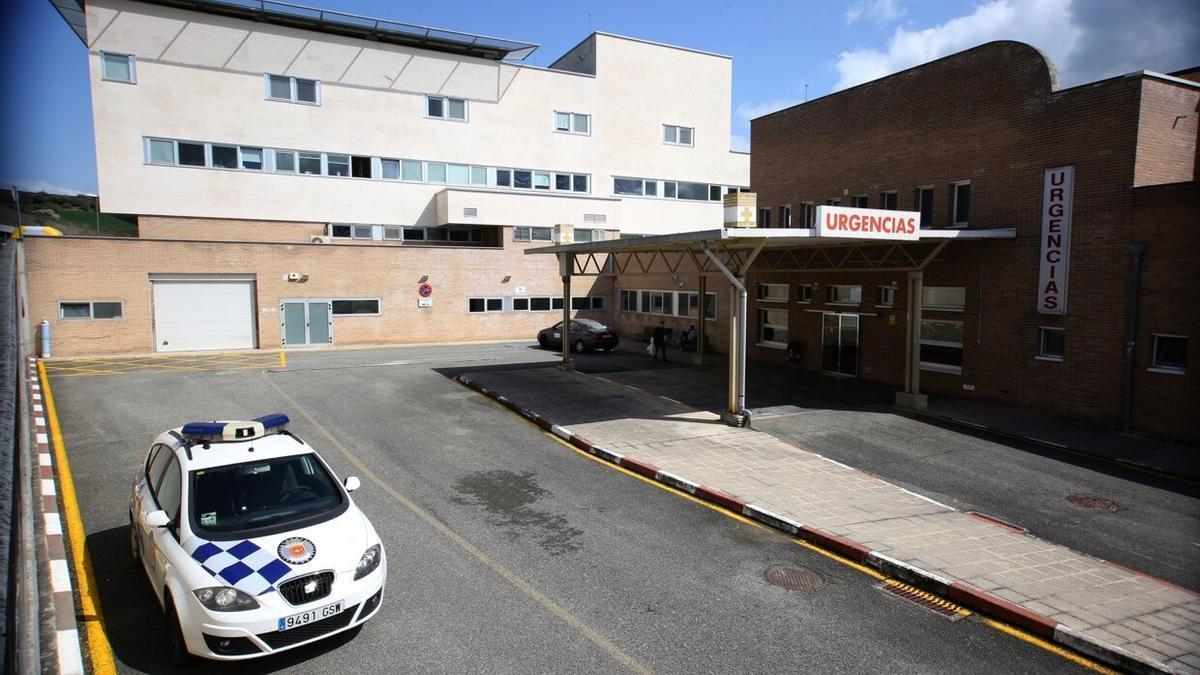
(264,494)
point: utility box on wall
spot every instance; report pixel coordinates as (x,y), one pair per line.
(564,234)
(741,209)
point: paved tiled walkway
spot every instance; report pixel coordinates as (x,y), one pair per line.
(1154,620)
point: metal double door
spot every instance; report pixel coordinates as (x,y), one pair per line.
(839,344)
(306,323)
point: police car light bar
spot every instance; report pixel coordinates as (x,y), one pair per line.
(205,432)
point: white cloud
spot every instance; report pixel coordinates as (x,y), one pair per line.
(748,111)
(880,11)
(1086,40)
(25,185)
(1045,24)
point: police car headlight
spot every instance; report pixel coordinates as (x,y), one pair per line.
(225,599)
(368,562)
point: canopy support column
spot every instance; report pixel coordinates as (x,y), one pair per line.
(912,396)
(736,413)
(700,332)
(566,262)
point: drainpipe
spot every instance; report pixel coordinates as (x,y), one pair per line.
(1136,251)
(741,328)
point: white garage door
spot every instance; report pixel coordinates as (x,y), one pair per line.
(203,314)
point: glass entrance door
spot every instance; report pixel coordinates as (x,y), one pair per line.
(839,344)
(306,323)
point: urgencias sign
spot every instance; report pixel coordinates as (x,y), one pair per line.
(852,223)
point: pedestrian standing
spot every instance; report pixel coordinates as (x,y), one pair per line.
(660,341)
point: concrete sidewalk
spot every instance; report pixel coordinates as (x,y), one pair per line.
(1117,615)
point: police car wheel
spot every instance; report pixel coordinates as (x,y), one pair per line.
(176,647)
(135,552)
(579,347)
(543,342)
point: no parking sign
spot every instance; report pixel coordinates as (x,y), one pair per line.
(425,290)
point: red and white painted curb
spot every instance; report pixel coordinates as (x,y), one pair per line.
(956,591)
(70,657)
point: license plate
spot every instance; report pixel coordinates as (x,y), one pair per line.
(297,620)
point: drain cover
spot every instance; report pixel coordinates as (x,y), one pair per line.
(927,600)
(793,578)
(1093,502)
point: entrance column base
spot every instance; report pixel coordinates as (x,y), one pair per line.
(912,401)
(735,419)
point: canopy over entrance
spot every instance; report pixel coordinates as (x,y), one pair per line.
(733,251)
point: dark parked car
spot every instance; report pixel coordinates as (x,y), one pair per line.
(586,335)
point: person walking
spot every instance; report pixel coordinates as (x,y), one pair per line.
(660,341)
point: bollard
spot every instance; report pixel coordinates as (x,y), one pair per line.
(44,328)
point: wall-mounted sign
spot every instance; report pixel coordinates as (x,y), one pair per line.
(424,302)
(852,223)
(425,290)
(1056,240)
(519,290)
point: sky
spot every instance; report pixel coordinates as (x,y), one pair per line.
(784,52)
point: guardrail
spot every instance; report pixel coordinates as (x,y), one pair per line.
(20,650)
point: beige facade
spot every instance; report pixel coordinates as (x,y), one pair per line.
(92,269)
(486,186)
(202,77)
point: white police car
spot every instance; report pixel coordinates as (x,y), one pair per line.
(250,543)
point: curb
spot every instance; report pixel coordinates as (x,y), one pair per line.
(1136,466)
(956,591)
(62,613)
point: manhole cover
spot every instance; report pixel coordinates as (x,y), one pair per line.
(794,578)
(1093,502)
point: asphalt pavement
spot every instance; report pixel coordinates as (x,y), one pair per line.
(508,551)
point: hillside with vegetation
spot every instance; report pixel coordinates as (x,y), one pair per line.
(72,214)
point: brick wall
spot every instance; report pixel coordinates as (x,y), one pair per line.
(217,229)
(991,116)
(119,269)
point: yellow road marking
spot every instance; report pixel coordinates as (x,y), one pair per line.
(565,616)
(98,647)
(1003,627)
(282,359)
(1050,647)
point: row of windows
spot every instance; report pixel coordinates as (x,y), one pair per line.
(103,309)
(173,152)
(545,303)
(939,298)
(404,233)
(668,303)
(671,189)
(959,197)
(122,68)
(582,235)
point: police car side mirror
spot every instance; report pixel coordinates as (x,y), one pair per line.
(352,483)
(158,519)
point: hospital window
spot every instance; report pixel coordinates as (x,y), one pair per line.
(90,310)
(479,305)
(772,292)
(962,203)
(833,202)
(773,327)
(785,216)
(539,304)
(1051,343)
(809,215)
(885,296)
(944,298)
(942,346)
(860,201)
(393,233)
(1170,354)
(293,89)
(363,231)
(442,107)
(533,234)
(337,165)
(888,200)
(344,307)
(804,293)
(572,123)
(285,161)
(676,135)
(118,67)
(669,303)
(924,199)
(587,303)
(764,217)
(251,158)
(339,231)
(843,295)
(360,167)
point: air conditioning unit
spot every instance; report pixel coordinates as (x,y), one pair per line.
(321,239)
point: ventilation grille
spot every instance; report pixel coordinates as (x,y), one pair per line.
(470,212)
(595,218)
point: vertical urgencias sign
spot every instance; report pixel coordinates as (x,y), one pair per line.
(1056,240)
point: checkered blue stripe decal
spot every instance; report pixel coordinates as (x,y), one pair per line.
(241,564)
